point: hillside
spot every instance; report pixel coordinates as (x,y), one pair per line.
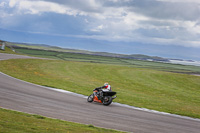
(58,49)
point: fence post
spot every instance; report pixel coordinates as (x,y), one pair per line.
(3,46)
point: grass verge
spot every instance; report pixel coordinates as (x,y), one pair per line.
(18,122)
(163,91)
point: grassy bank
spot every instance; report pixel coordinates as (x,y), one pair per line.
(141,87)
(17,122)
(83,57)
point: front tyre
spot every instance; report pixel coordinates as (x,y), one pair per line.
(90,98)
(107,100)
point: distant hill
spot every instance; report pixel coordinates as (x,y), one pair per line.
(58,49)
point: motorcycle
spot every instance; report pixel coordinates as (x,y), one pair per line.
(100,96)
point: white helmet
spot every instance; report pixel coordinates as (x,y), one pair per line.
(105,84)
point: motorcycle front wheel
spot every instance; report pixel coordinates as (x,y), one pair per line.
(107,100)
(90,98)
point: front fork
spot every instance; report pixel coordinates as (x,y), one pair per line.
(98,94)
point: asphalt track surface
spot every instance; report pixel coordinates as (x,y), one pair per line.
(30,98)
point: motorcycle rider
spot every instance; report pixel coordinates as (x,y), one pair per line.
(102,89)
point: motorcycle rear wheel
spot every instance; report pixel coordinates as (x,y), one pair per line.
(90,98)
(107,100)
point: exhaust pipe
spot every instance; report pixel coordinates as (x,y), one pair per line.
(114,97)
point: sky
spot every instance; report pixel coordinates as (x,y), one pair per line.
(165,28)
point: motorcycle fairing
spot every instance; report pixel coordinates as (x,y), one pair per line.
(109,93)
(96,99)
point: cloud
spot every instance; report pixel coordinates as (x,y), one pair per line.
(181,1)
(169,10)
(98,28)
(38,7)
(163,22)
(2,4)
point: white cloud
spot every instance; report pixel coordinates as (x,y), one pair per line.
(181,1)
(149,21)
(13,3)
(86,21)
(98,28)
(38,7)
(2,4)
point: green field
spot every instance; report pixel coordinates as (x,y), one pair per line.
(141,87)
(82,57)
(17,122)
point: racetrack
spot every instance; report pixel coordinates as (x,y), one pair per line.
(26,97)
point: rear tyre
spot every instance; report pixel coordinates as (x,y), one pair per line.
(107,100)
(90,98)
